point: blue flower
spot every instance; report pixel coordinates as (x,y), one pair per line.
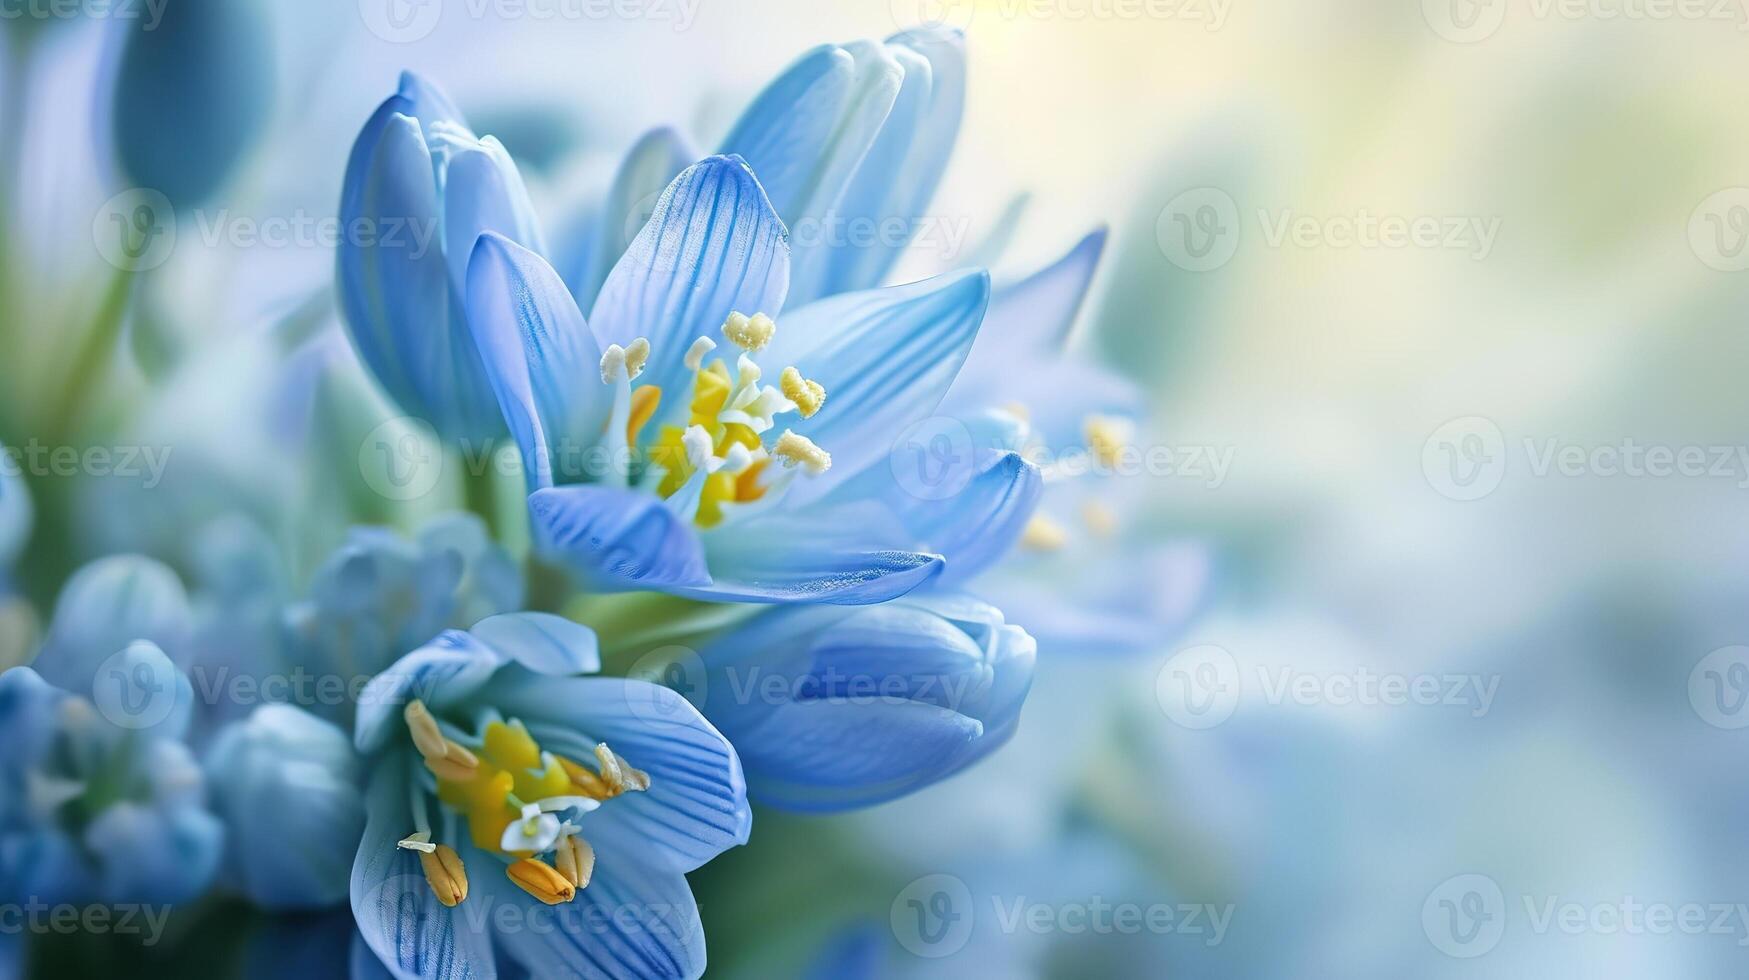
(380,596)
(521,814)
(420,188)
(707,480)
(193,89)
(103,802)
(106,606)
(833,709)
(286,776)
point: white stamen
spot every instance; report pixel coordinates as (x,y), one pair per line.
(747,372)
(695,354)
(613,363)
(637,355)
(417,842)
(794,449)
(737,459)
(699,453)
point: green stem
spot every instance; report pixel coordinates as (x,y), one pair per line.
(90,364)
(480,495)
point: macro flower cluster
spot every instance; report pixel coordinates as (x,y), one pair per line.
(778,535)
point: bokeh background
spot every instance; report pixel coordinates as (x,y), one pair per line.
(1453,291)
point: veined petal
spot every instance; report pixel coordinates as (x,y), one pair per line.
(545,644)
(713,246)
(1028,324)
(696,806)
(632,922)
(650,166)
(398,915)
(901,172)
(482,192)
(618,540)
(539,354)
(747,567)
(885,357)
(807,133)
(440,673)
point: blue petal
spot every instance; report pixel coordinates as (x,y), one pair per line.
(426,100)
(631,922)
(482,192)
(287,776)
(599,240)
(441,673)
(971,528)
(1028,326)
(400,306)
(807,133)
(28,706)
(539,354)
(901,172)
(618,540)
(762,564)
(137,686)
(696,806)
(713,246)
(885,357)
(543,643)
(155,854)
(109,604)
(398,915)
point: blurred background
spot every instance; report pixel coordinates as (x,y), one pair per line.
(1440,305)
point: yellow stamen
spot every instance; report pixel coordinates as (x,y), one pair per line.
(807,394)
(539,879)
(574,859)
(450,769)
(794,449)
(749,333)
(446,875)
(645,401)
(1099,518)
(1107,437)
(1044,534)
(427,738)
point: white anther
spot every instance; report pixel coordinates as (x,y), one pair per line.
(699,452)
(613,363)
(637,355)
(695,354)
(794,449)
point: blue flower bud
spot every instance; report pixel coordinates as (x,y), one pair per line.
(107,605)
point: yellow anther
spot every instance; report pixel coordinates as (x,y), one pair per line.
(426,735)
(749,333)
(1099,518)
(619,774)
(1107,437)
(637,355)
(539,879)
(1019,411)
(808,395)
(574,860)
(794,449)
(1043,534)
(645,401)
(451,769)
(446,874)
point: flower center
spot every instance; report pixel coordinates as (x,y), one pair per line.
(718,462)
(520,803)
